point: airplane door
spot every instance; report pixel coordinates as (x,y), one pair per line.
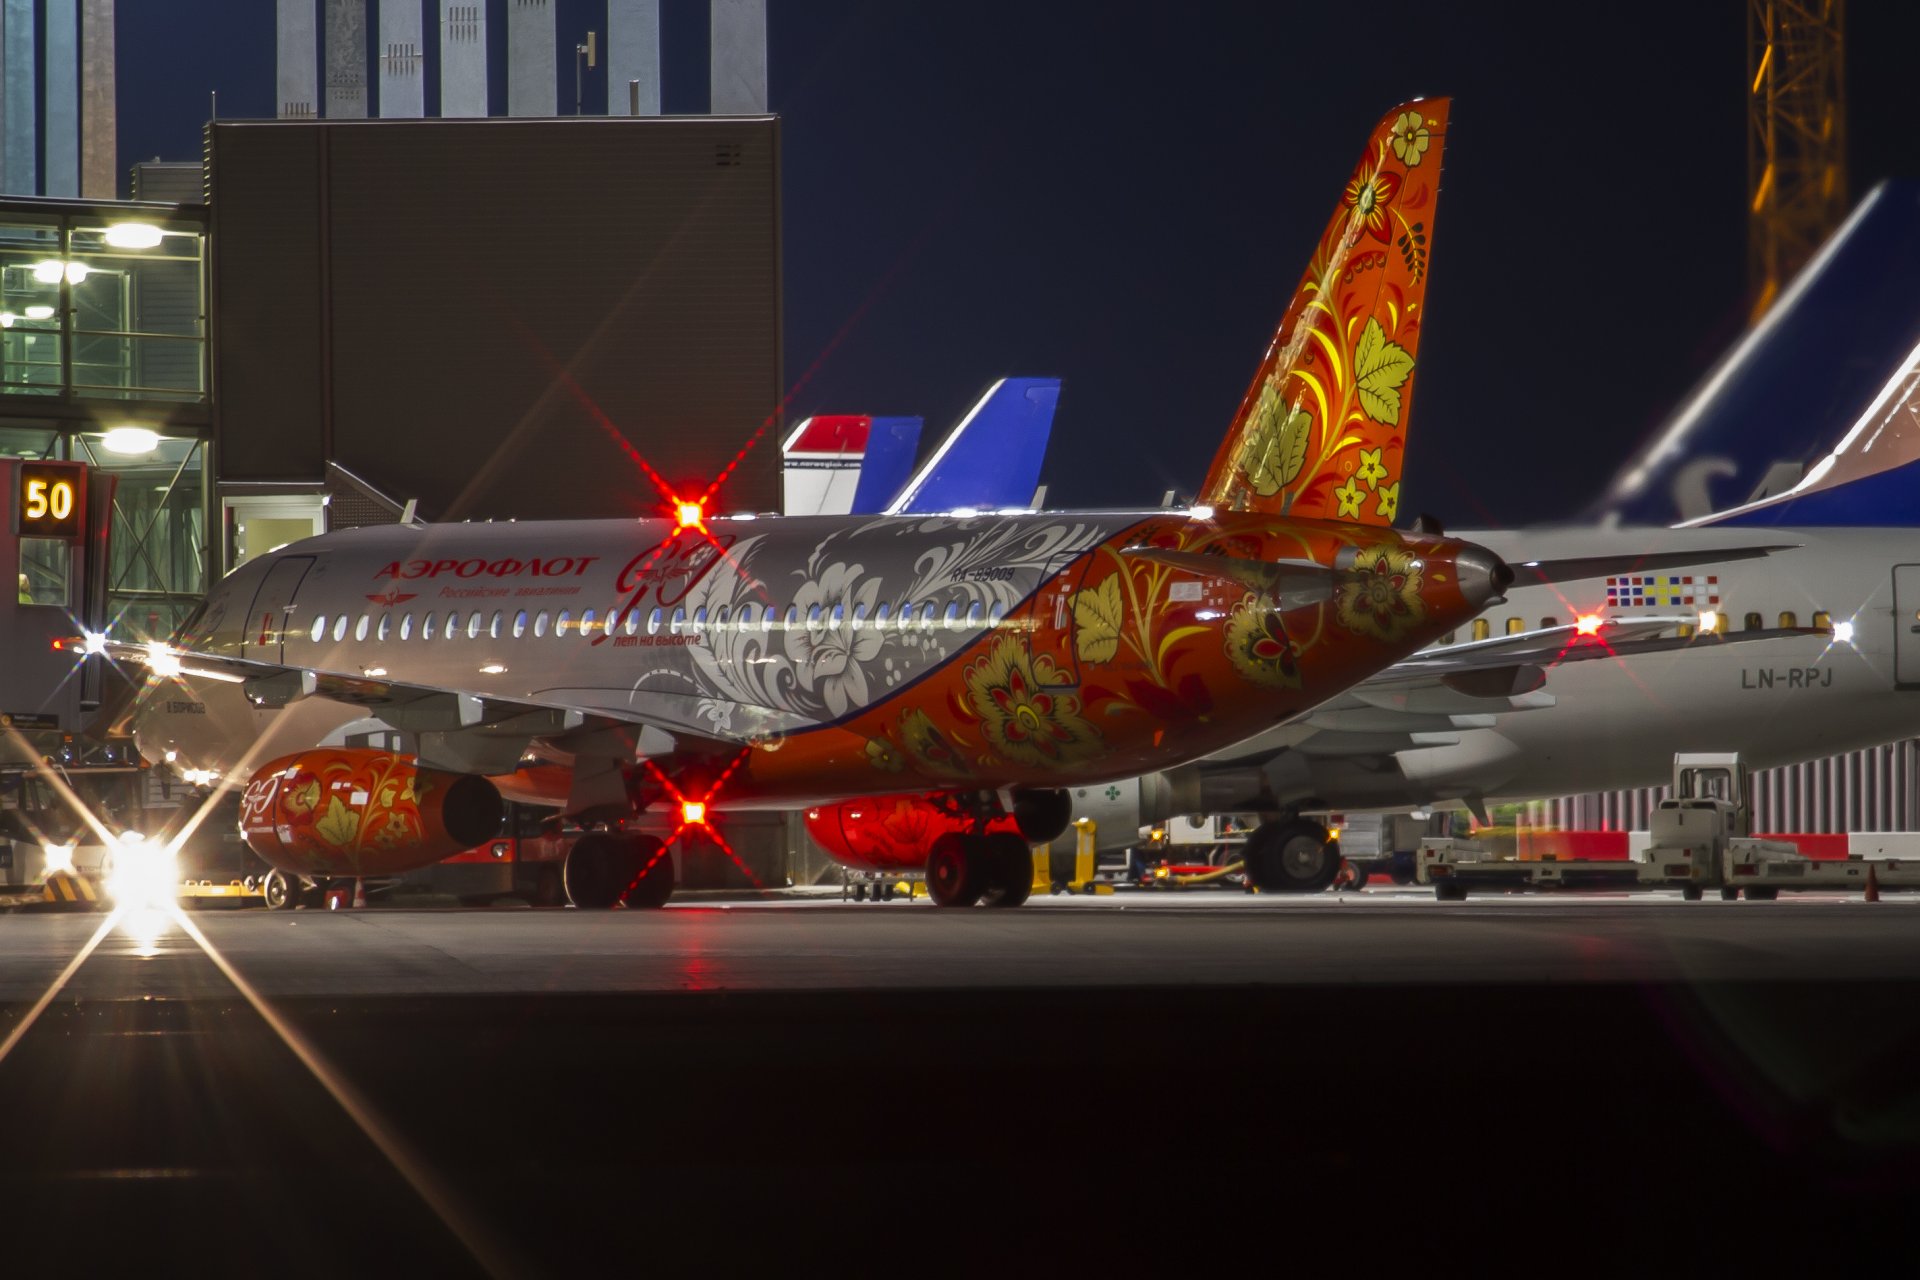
(1053,631)
(265,634)
(1906,626)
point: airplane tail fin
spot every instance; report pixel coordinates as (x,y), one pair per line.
(1870,478)
(1784,396)
(892,445)
(821,462)
(1321,431)
(992,459)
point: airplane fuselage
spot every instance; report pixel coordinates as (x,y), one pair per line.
(1612,723)
(814,658)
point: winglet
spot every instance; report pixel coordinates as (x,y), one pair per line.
(1321,431)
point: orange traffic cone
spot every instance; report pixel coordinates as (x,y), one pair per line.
(359,892)
(1873,884)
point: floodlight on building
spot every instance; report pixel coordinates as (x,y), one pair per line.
(130,440)
(132,235)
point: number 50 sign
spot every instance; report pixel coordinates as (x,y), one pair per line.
(51,500)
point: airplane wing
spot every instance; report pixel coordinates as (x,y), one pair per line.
(464,732)
(1428,699)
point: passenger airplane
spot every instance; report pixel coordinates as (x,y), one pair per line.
(979,664)
(1810,651)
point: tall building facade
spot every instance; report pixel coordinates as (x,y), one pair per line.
(322,59)
(57,134)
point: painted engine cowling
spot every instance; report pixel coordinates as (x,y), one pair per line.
(891,833)
(353,811)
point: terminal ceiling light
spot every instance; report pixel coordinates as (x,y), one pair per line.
(6,319)
(40,313)
(133,235)
(130,440)
(49,271)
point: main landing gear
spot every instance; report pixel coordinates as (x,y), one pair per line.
(605,868)
(1291,855)
(995,869)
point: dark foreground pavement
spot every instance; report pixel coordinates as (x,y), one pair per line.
(1568,1127)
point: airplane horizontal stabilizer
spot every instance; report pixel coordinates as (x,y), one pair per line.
(1293,582)
(1529,573)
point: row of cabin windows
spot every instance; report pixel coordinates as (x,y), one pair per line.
(1822,621)
(747,617)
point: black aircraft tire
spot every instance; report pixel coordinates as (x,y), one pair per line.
(282,891)
(955,872)
(1291,857)
(598,870)
(651,883)
(1009,864)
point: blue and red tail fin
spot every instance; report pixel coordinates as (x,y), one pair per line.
(821,462)
(1321,431)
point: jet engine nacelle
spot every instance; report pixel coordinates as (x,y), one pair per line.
(355,811)
(888,833)
(1120,811)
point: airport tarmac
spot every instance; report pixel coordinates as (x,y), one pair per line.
(793,943)
(1123,1084)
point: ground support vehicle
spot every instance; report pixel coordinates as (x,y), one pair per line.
(1070,871)
(1700,839)
(880,886)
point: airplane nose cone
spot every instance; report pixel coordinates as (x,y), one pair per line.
(1484,576)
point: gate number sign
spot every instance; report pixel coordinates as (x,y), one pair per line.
(52,500)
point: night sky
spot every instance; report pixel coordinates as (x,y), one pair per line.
(1124,195)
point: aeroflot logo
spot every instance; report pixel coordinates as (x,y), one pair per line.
(558,567)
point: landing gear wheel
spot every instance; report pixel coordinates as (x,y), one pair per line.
(282,891)
(1291,857)
(955,874)
(1009,864)
(651,883)
(1729,894)
(598,870)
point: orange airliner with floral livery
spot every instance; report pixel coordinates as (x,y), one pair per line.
(931,685)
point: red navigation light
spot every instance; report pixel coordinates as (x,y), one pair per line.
(690,515)
(1588,624)
(693,813)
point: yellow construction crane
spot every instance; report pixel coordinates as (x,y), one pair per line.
(1796,137)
